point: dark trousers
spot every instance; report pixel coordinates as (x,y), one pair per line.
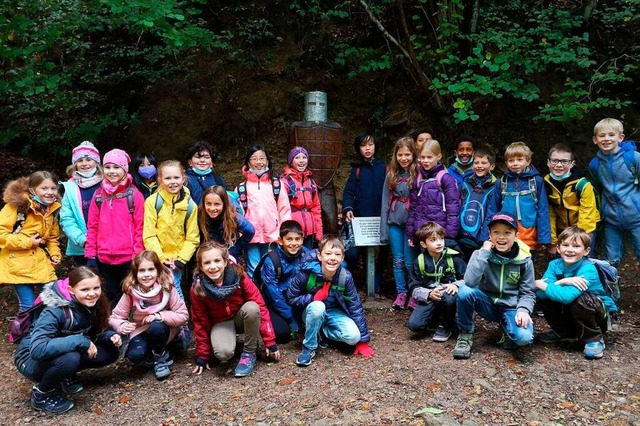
(281,327)
(50,372)
(433,313)
(153,339)
(113,276)
(585,318)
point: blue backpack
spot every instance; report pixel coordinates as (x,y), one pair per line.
(474,204)
(609,278)
(629,150)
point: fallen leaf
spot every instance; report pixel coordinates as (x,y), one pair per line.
(287,381)
(366,406)
(357,374)
(566,404)
(124,399)
(428,410)
(236,396)
(97,409)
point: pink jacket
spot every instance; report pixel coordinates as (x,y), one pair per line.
(304,200)
(114,234)
(262,211)
(174,314)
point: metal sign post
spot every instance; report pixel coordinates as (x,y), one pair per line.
(366,232)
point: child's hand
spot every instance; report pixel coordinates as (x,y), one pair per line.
(363,349)
(128,327)
(150,318)
(487,245)
(36,240)
(410,241)
(273,353)
(92,352)
(578,282)
(552,250)
(116,340)
(436,294)
(541,284)
(523,319)
(348,216)
(169,264)
(198,369)
(449,289)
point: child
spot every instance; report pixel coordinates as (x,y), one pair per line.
(68,336)
(171,221)
(434,196)
(362,197)
(150,312)
(521,193)
(29,233)
(572,199)
(420,137)
(276,279)
(499,286)
(219,221)
(145,174)
(574,302)
(86,175)
(324,294)
(265,205)
(461,166)
(435,279)
(393,217)
(200,158)
(114,228)
(476,193)
(224,301)
(303,195)
(615,173)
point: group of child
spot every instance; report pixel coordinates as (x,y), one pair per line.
(140,230)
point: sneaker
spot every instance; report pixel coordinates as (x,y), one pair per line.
(508,344)
(50,402)
(442,334)
(594,350)
(552,337)
(412,304)
(305,357)
(323,341)
(246,364)
(161,364)
(463,346)
(400,302)
(71,385)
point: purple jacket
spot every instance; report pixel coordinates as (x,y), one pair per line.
(434,201)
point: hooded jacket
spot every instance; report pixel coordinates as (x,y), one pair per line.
(20,263)
(510,283)
(342,296)
(456,171)
(304,200)
(222,304)
(395,205)
(363,191)
(438,272)
(72,219)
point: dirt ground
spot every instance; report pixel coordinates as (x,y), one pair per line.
(410,381)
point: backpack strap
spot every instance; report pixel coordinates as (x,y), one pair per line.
(275,187)
(128,193)
(533,189)
(311,281)
(20,218)
(242,195)
(628,157)
(191,206)
(421,263)
(579,186)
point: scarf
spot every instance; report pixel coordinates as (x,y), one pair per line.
(110,189)
(144,301)
(230,283)
(86,182)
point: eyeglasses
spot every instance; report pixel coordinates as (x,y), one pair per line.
(254,159)
(556,161)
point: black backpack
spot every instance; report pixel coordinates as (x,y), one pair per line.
(257,273)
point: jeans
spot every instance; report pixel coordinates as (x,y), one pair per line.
(335,323)
(255,251)
(223,334)
(177,281)
(402,255)
(613,242)
(26,294)
(153,339)
(472,300)
(433,313)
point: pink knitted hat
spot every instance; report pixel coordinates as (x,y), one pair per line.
(85,149)
(117,157)
(295,151)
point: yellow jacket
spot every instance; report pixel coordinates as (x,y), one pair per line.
(570,207)
(165,231)
(20,263)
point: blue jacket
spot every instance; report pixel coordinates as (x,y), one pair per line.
(395,205)
(363,191)
(48,337)
(530,207)
(345,298)
(566,294)
(197,184)
(620,194)
(460,175)
(274,289)
(215,231)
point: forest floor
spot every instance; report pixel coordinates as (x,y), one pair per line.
(410,381)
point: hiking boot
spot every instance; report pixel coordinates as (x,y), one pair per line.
(551,336)
(442,334)
(412,304)
(246,365)
(50,402)
(400,302)
(161,364)
(507,343)
(71,385)
(594,350)
(463,346)
(305,357)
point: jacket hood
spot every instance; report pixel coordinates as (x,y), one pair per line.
(482,183)
(290,171)
(523,255)
(17,194)
(56,294)
(527,173)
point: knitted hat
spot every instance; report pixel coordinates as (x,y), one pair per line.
(85,149)
(117,157)
(295,151)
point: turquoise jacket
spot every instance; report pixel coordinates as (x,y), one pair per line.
(72,220)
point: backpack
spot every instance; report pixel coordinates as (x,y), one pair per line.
(242,191)
(533,190)
(128,193)
(473,212)
(21,324)
(609,278)
(235,199)
(291,188)
(578,187)
(438,178)
(628,149)
(191,205)
(257,272)
(440,272)
(342,279)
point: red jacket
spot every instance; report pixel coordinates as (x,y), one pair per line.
(208,311)
(304,200)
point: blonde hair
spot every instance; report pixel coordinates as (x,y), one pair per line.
(433,146)
(518,149)
(608,123)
